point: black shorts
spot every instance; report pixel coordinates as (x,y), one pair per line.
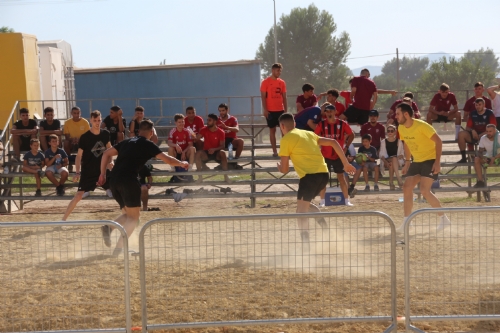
(311,184)
(127,192)
(273,118)
(212,157)
(423,169)
(178,156)
(25,143)
(355,115)
(336,165)
(442,119)
(228,141)
(89,182)
(470,139)
(498,123)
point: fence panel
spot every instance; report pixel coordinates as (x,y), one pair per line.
(59,276)
(254,270)
(452,274)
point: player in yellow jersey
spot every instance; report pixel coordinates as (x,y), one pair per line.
(423,143)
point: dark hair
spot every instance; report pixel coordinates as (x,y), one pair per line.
(115,108)
(405,108)
(52,137)
(24,110)
(333,92)
(350,80)
(444,87)
(287,120)
(307,87)
(190,108)
(365,70)
(408,94)
(223,105)
(75,108)
(478,84)
(34,140)
(277,65)
(366,137)
(213,116)
(95,114)
(146,125)
(139,108)
(48,109)
(479,100)
(178,116)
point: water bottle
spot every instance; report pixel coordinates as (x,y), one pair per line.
(58,161)
(230,149)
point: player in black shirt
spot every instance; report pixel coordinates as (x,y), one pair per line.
(132,155)
(91,147)
(115,124)
(49,126)
(22,132)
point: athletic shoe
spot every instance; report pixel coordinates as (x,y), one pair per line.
(322,203)
(38,193)
(375,187)
(352,192)
(41,173)
(59,191)
(463,160)
(85,194)
(348,203)
(109,193)
(479,183)
(106,235)
(367,188)
(445,222)
(322,223)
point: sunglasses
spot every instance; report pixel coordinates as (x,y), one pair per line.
(391,131)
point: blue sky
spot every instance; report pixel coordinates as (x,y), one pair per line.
(144,32)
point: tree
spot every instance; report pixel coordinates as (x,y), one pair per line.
(5,29)
(308,50)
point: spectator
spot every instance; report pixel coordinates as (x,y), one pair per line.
(495,97)
(332,96)
(274,104)
(22,132)
(133,127)
(307,119)
(351,158)
(229,124)
(194,123)
(408,99)
(33,163)
(440,108)
(115,124)
(49,126)
(476,127)
(488,153)
(145,173)
(334,128)
(469,105)
(307,99)
(73,130)
(213,148)
(56,161)
(371,164)
(374,128)
(180,144)
(392,156)
(346,95)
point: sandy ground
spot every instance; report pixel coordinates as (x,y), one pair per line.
(247,269)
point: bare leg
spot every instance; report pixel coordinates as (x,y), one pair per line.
(238,145)
(343,185)
(365,173)
(409,185)
(52,178)
(304,207)
(377,173)
(67,146)
(200,157)
(16,142)
(425,189)
(44,144)
(223,163)
(190,154)
(479,168)
(395,168)
(119,137)
(132,219)
(64,177)
(172,152)
(144,197)
(72,204)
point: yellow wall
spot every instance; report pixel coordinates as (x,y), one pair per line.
(19,74)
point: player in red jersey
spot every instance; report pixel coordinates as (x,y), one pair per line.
(230,126)
(441,110)
(213,146)
(332,97)
(180,144)
(193,124)
(374,128)
(334,128)
(470,105)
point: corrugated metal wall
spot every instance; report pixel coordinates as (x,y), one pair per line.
(125,86)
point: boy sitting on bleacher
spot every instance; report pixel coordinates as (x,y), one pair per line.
(56,160)
(33,163)
(371,163)
(489,153)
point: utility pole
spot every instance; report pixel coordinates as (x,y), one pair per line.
(397,64)
(275,37)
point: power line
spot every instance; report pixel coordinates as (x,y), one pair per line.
(426,53)
(42,2)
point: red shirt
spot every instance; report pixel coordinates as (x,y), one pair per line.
(364,92)
(443,104)
(307,103)
(377,132)
(478,122)
(181,138)
(416,112)
(347,97)
(339,109)
(471,106)
(196,125)
(212,139)
(230,122)
(274,90)
(338,131)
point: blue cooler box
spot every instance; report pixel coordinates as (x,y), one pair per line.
(334,196)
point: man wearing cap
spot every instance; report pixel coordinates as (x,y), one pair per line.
(307,119)
(374,128)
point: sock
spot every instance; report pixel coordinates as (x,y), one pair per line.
(457,129)
(463,154)
(351,186)
(322,202)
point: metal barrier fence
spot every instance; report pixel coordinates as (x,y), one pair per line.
(59,276)
(452,274)
(255,270)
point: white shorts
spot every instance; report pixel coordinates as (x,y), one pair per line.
(55,170)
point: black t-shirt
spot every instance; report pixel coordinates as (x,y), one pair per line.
(56,125)
(31,125)
(136,127)
(143,173)
(391,147)
(370,151)
(132,155)
(113,128)
(93,146)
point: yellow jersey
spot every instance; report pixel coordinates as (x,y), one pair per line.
(76,128)
(418,139)
(302,148)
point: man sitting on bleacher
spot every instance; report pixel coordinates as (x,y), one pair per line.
(49,126)
(180,144)
(213,146)
(476,127)
(22,132)
(73,130)
(115,124)
(469,105)
(194,124)
(374,128)
(441,110)
(229,124)
(133,127)
(489,153)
